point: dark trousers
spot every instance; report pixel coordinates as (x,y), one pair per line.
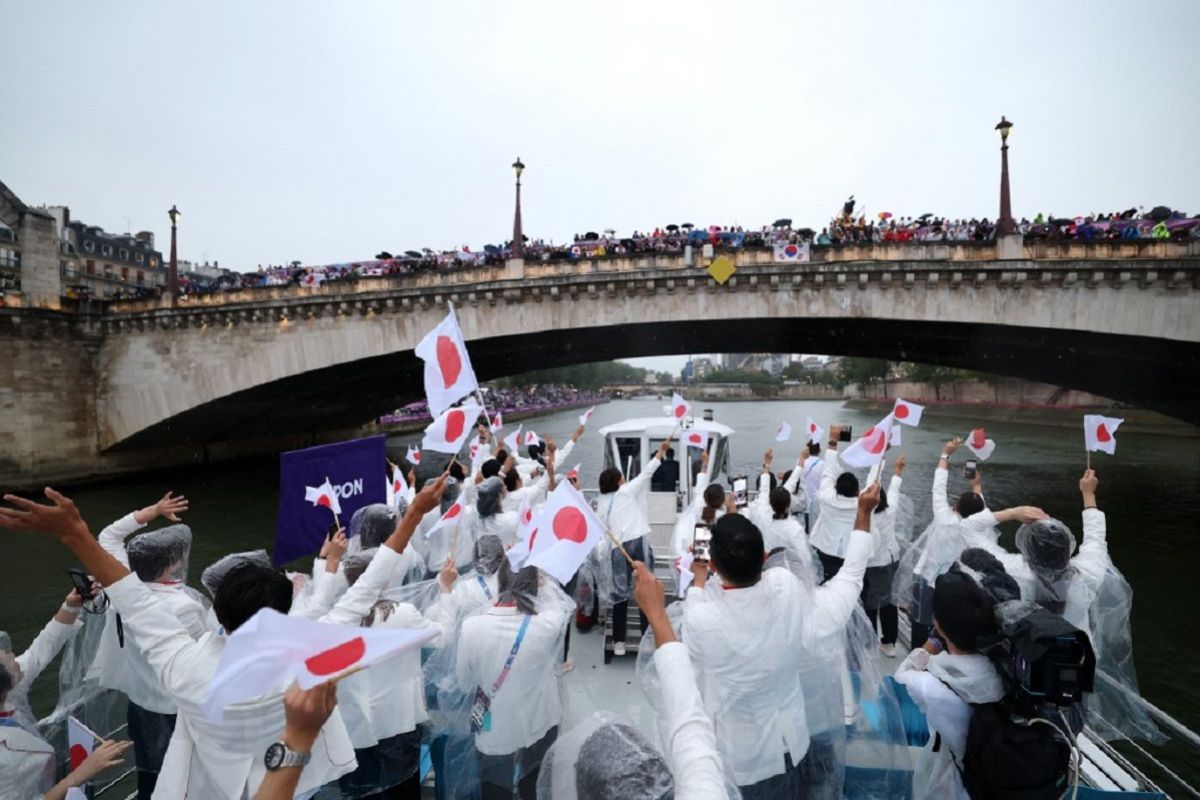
(620,612)
(389,770)
(921,612)
(889,619)
(817,776)
(496,772)
(829,565)
(150,733)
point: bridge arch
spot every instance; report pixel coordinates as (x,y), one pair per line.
(303,360)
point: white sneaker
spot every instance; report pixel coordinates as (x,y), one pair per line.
(889,650)
(618,648)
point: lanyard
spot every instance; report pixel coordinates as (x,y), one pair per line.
(511,656)
(483,585)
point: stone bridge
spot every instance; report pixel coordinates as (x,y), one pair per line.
(137,383)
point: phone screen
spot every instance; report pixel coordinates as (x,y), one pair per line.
(79,580)
(701,539)
(739,491)
(969,470)
(844,434)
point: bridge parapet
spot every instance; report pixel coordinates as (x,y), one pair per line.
(1137,256)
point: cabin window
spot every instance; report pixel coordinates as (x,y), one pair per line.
(629,452)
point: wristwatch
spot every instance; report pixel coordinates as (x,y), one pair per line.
(279,756)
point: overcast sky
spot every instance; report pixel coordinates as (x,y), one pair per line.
(327,131)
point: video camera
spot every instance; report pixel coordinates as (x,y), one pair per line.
(1042,658)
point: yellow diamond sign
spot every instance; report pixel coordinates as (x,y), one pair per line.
(721,269)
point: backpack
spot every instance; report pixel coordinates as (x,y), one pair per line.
(1012,757)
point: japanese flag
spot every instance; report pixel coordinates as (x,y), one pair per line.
(448,373)
(585,416)
(451,519)
(680,408)
(569,530)
(497,422)
(449,432)
(271,650)
(979,444)
(815,431)
(512,442)
(413,456)
(479,454)
(573,472)
(895,440)
(324,495)
(695,438)
(907,413)
(518,554)
(1100,433)
(80,741)
(531,438)
(397,488)
(784,433)
(868,450)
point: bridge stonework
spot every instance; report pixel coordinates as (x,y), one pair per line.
(142,383)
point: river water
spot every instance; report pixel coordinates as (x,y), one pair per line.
(1150,492)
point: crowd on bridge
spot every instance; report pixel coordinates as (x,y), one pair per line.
(846,228)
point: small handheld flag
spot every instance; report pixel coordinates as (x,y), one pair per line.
(413,456)
(323,495)
(680,408)
(585,416)
(907,413)
(815,431)
(868,450)
(1100,433)
(784,433)
(979,444)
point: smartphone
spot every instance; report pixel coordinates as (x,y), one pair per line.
(739,491)
(81,582)
(333,528)
(844,435)
(814,448)
(701,539)
(970,469)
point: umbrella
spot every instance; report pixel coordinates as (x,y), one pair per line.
(687,225)
(412,254)
(1061,222)
(427,251)
(782,223)
(1159,213)
(925,216)
(591,235)
(384,255)
(805,231)
(885,215)
(610,232)
(672,228)
(491,248)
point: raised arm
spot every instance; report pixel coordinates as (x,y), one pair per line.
(642,481)
(943,511)
(836,599)
(113,537)
(828,493)
(1092,561)
(566,449)
(49,641)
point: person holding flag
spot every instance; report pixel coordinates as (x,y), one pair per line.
(623,509)
(838,499)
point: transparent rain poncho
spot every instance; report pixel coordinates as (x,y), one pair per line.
(28,759)
(384,706)
(527,710)
(604,758)
(370,526)
(1047,546)
(161,556)
(931,555)
(215,572)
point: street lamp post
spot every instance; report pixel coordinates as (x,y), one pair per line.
(518,245)
(1005,225)
(173,274)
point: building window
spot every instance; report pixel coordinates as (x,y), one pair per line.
(153,262)
(139,258)
(106,249)
(124,254)
(141,278)
(108,270)
(89,245)
(91,267)
(124,273)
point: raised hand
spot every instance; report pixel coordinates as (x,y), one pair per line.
(305,713)
(898,467)
(107,754)
(336,549)
(448,575)
(1089,483)
(869,498)
(704,459)
(952,445)
(60,519)
(171,506)
(429,497)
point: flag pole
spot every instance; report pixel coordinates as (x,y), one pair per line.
(619,546)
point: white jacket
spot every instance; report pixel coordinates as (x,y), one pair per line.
(883,528)
(810,474)
(218,760)
(689,518)
(787,533)
(942,686)
(1089,565)
(388,699)
(125,667)
(747,645)
(26,760)
(528,704)
(625,511)
(691,742)
(836,521)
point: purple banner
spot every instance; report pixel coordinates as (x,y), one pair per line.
(357,469)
